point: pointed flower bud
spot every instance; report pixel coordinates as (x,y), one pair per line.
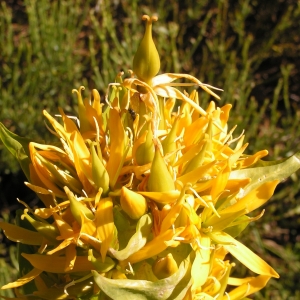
(146,62)
(164,267)
(77,207)
(48,231)
(134,204)
(160,179)
(145,152)
(83,118)
(100,175)
(169,143)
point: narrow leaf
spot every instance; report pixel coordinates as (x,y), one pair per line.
(264,171)
(17,146)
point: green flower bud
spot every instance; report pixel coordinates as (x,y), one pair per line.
(169,143)
(60,176)
(100,175)
(83,119)
(77,207)
(145,152)
(164,267)
(134,204)
(48,231)
(197,160)
(146,62)
(160,179)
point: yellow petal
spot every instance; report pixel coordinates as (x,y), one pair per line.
(21,235)
(170,92)
(162,197)
(254,199)
(65,243)
(104,221)
(154,247)
(64,228)
(201,265)
(244,255)
(117,146)
(56,264)
(196,174)
(169,77)
(36,181)
(248,288)
(244,163)
(23,280)
(173,213)
(70,257)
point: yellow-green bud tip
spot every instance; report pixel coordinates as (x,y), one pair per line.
(164,267)
(146,62)
(134,204)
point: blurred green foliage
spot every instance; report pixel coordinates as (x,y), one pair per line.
(249,48)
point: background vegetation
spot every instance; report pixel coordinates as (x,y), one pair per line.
(249,48)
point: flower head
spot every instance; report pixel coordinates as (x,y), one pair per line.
(141,198)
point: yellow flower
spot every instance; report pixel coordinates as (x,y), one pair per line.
(142,199)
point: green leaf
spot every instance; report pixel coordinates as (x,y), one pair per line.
(264,171)
(18,147)
(137,241)
(173,287)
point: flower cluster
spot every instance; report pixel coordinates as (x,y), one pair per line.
(143,196)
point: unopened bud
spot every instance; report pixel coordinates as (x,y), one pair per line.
(146,62)
(169,143)
(48,231)
(100,175)
(145,152)
(160,179)
(77,207)
(134,204)
(164,267)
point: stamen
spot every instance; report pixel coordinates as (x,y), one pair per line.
(52,131)
(97,130)
(202,247)
(42,248)
(70,117)
(173,228)
(97,241)
(130,271)
(129,184)
(198,196)
(130,136)
(67,150)
(25,204)
(236,139)
(229,135)
(179,238)
(84,193)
